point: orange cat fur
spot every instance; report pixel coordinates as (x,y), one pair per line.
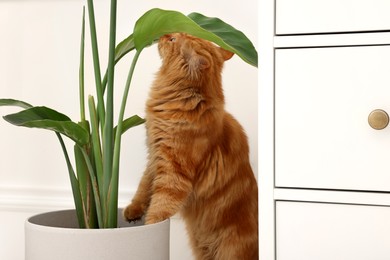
(198,155)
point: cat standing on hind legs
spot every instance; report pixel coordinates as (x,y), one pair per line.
(198,163)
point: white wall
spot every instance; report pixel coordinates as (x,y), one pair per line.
(39,52)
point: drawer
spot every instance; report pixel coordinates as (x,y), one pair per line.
(307,231)
(328,16)
(323,97)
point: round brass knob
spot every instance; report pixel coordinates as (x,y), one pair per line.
(378,119)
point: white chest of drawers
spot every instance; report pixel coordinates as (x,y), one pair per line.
(324,172)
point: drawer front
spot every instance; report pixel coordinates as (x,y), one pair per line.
(307,231)
(323,97)
(327,16)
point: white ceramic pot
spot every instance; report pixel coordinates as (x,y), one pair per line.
(55,236)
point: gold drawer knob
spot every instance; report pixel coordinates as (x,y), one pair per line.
(378,119)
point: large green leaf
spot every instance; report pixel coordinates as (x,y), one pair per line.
(46,118)
(195,24)
(156,23)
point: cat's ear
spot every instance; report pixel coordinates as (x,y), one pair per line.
(194,60)
(226,54)
(199,62)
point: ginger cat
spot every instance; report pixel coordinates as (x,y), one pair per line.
(198,154)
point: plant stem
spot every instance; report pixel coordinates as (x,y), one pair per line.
(109,123)
(80,210)
(96,62)
(95,187)
(81,69)
(96,147)
(83,184)
(114,183)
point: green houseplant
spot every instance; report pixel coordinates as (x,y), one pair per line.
(95,173)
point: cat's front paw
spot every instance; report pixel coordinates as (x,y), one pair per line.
(133,212)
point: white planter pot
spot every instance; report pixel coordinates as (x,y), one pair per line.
(55,236)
